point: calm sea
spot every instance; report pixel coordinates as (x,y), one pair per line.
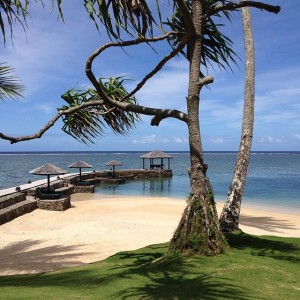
(273,177)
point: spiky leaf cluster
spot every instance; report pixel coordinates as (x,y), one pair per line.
(133,16)
(217,48)
(10,87)
(16,11)
(89,122)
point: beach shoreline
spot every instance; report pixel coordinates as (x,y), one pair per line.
(98,226)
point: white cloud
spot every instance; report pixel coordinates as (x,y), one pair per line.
(270,140)
(180,140)
(153,138)
(146,140)
(217,140)
(48,109)
(168,88)
(297,136)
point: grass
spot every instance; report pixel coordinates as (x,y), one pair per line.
(255,268)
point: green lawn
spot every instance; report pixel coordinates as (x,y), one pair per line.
(255,268)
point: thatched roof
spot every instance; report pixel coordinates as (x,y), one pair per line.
(48,169)
(80,164)
(156,154)
(113,163)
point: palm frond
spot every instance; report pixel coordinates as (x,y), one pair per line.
(217,47)
(16,11)
(132,16)
(10,86)
(89,123)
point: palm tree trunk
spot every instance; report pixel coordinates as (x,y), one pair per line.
(198,231)
(229,219)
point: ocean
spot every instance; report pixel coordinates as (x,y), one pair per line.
(273,177)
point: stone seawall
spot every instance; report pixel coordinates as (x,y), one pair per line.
(11,199)
(123,174)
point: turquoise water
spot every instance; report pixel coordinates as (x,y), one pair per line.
(273,178)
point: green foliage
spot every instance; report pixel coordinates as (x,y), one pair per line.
(16,11)
(217,47)
(133,16)
(255,268)
(10,86)
(89,122)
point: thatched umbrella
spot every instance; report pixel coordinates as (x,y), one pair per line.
(48,169)
(80,165)
(113,163)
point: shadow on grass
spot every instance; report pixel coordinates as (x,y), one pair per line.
(141,274)
(269,246)
(174,277)
(29,255)
(148,274)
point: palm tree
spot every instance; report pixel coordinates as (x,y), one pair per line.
(229,218)
(198,231)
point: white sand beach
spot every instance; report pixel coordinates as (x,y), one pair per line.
(98,226)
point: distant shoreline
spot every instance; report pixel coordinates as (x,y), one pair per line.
(131,151)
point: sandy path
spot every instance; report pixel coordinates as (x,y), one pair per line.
(97,228)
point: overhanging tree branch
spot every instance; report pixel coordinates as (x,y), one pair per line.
(235,5)
(61,113)
(164,113)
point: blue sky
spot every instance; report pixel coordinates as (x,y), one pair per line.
(51,57)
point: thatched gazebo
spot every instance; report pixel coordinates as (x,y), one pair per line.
(48,169)
(113,163)
(156,155)
(80,165)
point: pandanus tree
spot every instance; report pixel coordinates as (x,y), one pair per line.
(192,32)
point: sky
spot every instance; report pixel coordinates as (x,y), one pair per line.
(50,58)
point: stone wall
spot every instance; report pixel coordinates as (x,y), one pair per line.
(11,199)
(125,174)
(55,204)
(15,210)
(84,189)
(141,174)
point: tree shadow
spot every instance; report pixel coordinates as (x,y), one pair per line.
(148,274)
(265,222)
(174,277)
(269,246)
(138,275)
(19,257)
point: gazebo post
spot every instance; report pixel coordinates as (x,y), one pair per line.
(48,185)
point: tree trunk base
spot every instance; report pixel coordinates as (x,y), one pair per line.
(198,232)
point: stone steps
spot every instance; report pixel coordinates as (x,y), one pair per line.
(11,199)
(18,209)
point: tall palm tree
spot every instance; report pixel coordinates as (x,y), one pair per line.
(229,218)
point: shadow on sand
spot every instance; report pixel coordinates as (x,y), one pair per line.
(266,223)
(29,256)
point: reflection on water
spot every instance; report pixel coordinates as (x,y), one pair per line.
(145,187)
(162,185)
